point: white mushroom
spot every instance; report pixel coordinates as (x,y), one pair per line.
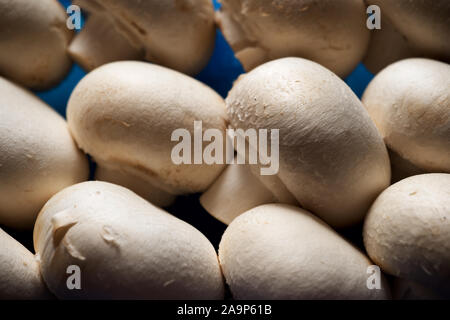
(240,188)
(38,156)
(409,29)
(33,42)
(20,278)
(332,160)
(178,34)
(407,230)
(409,101)
(124,114)
(332,33)
(124,247)
(278,251)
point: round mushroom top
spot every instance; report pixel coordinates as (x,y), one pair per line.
(331,156)
(38,156)
(277,251)
(125,247)
(409,101)
(407,230)
(124,114)
(33,42)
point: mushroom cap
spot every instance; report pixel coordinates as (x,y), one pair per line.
(38,156)
(407,230)
(409,101)
(330,32)
(178,34)
(124,113)
(276,251)
(33,42)
(425,24)
(20,277)
(125,247)
(387,45)
(332,159)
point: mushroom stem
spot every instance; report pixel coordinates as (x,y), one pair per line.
(241,188)
(142,187)
(235,191)
(100,42)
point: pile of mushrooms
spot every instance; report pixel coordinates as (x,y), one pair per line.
(357,205)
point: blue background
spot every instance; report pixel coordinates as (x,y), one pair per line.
(221,71)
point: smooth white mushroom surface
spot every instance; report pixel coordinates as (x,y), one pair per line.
(407,230)
(277,251)
(409,29)
(124,247)
(332,159)
(409,101)
(20,278)
(38,156)
(330,32)
(33,42)
(124,115)
(178,34)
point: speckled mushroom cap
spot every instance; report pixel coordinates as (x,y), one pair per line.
(330,32)
(407,230)
(178,34)
(38,156)
(332,158)
(125,247)
(20,278)
(33,42)
(277,251)
(409,101)
(124,114)
(420,28)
